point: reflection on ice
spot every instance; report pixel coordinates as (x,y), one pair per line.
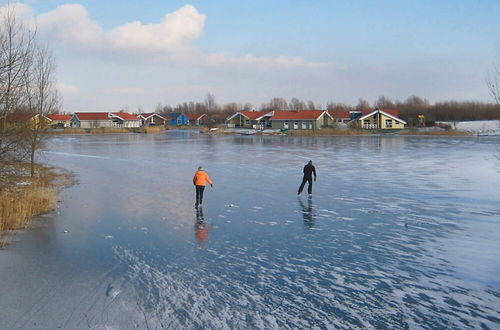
(307,212)
(201,228)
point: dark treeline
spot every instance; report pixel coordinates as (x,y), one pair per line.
(413,106)
(409,109)
(441,111)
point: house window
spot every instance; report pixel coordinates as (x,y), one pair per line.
(304,125)
(366,122)
(285,125)
(179,121)
(295,124)
(247,122)
(388,123)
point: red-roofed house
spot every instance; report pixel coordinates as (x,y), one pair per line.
(249,119)
(196,119)
(105,119)
(125,120)
(381,119)
(340,115)
(59,120)
(152,119)
(300,119)
(91,120)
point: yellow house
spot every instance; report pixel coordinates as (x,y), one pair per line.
(32,119)
(381,119)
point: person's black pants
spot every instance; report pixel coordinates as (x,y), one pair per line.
(199,194)
(309,188)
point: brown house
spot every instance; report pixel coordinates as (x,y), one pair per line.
(340,115)
(152,119)
(196,119)
(249,119)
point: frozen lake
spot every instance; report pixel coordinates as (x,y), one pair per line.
(401,232)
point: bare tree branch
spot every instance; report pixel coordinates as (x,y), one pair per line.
(493,81)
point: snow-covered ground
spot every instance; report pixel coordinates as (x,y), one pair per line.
(479,127)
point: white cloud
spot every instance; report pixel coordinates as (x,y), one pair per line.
(71,24)
(174,31)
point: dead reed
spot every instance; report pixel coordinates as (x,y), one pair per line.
(22,197)
(102,130)
(16,208)
(153,129)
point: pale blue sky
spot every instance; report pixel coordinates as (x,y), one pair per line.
(251,51)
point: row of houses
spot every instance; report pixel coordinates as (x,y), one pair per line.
(126,120)
(108,119)
(276,119)
(315,119)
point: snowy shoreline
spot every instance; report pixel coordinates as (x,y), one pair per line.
(477,127)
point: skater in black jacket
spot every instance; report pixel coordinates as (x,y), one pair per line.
(309,170)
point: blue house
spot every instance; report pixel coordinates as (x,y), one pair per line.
(178,119)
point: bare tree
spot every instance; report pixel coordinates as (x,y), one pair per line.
(16,57)
(362,104)
(210,102)
(42,99)
(297,104)
(247,107)
(158,108)
(311,105)
(337,106)
(231,107)
(384,102)
(493,81)
(276,103)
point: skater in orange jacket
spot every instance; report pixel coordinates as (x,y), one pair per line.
(199,180)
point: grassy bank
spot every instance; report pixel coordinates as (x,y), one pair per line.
(450,132)
(23,197)
(330,131)
(351,132)
(108,130)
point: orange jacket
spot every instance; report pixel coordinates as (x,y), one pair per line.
(200,177)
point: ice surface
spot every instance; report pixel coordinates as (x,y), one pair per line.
(401,232)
